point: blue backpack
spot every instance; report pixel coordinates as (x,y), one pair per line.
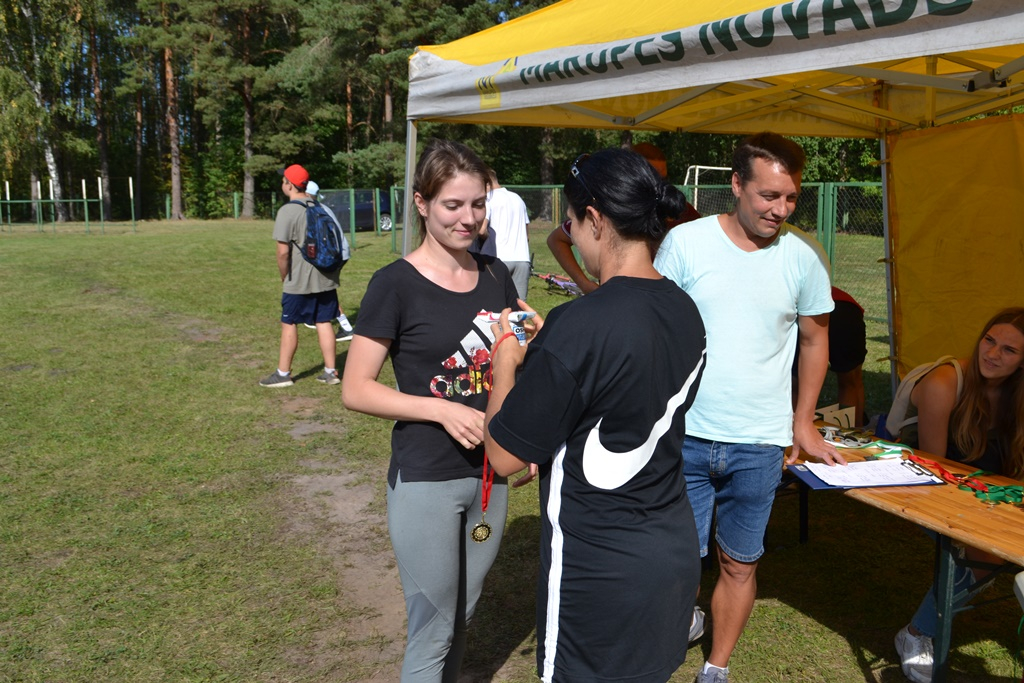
(325,245)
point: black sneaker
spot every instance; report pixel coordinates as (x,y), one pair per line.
(343,336)
(277,380)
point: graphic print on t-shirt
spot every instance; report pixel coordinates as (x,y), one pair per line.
(465,372)
(609,470)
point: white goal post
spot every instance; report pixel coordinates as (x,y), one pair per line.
(696,170)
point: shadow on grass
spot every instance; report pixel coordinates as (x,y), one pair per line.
(506,613)
(862,575)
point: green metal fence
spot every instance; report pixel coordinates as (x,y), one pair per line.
(846,218)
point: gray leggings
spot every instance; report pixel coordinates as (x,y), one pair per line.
(441,567)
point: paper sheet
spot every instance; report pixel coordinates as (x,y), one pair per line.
(872,473)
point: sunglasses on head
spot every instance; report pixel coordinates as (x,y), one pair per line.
(574,170)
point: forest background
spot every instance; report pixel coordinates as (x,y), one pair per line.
(198,100)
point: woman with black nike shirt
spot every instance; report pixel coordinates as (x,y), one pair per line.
(599,406)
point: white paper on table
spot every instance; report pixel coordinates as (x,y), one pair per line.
(872,473)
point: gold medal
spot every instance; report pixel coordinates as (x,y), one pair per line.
(481,532)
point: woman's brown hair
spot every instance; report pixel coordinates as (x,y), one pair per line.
(971,421)
(441,161)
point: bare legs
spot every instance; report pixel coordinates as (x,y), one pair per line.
(731,604)
(290,342)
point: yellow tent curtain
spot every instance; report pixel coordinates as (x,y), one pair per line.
(956,234)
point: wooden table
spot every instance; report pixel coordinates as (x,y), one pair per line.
(956,516)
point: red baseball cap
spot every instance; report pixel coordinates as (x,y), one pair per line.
(296,175)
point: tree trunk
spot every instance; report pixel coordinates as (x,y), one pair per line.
(102,146)
(248,182)
(51,167)
(389,109)
(32,79)
(349,127)
(172,134)
(137,188)
(369,119)
(547,172)
(33,182)
(626,139)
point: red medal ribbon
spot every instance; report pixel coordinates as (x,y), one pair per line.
(990,493)
(488,476)
(485,486)
(965,482)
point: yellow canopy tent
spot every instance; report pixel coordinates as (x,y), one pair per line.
(848,68)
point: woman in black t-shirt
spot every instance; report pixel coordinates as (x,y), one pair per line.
(430,312)
(599,408)
(982,424)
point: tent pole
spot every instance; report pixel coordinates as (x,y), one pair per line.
(894,375)
(409,210)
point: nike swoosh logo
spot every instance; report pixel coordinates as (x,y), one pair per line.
(608,470)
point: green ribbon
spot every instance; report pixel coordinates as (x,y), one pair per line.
(1012,493)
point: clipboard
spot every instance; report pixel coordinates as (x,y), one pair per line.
(871,474)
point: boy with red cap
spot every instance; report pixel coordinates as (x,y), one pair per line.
(310,295)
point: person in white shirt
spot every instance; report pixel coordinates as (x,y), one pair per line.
(762,287)
(507,219)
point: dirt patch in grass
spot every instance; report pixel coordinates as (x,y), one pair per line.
(300,406)
(350,529)
(339,506)
(345,517)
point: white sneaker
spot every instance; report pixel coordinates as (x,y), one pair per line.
(917,655)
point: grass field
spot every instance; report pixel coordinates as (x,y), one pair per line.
(163,518)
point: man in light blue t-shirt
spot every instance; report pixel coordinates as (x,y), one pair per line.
(762,287)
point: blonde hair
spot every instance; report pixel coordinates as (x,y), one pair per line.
(971,421)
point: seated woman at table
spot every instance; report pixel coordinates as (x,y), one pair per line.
(981,424)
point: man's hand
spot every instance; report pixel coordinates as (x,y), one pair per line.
(809,442)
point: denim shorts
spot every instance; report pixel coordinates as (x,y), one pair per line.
(321,307)
(736,483)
